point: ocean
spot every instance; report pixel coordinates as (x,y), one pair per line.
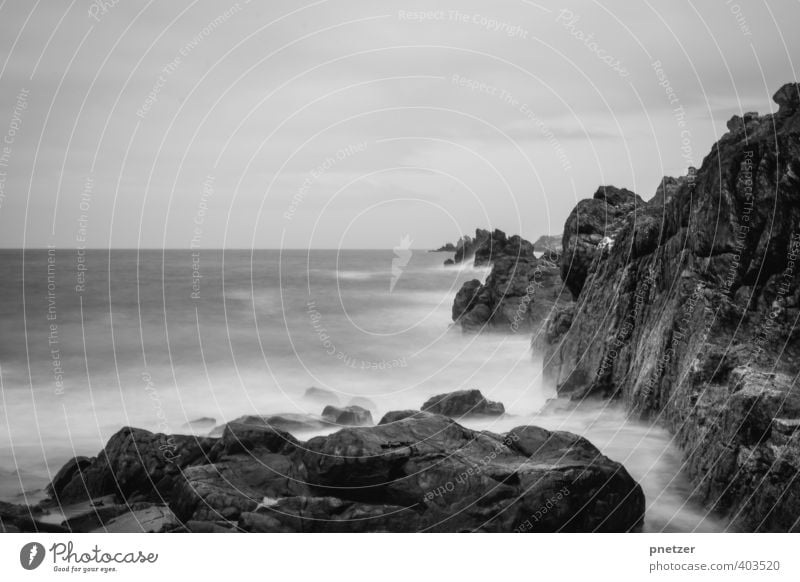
(97,340)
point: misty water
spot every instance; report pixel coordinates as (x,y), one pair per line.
(94,343)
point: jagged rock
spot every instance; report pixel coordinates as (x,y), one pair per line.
(517,296)
(589,223)
(134,460)
(463,403)
(347,416)
(487,246)
(693,308)
(67,473)
(403,476)
(446,248)
(466,298)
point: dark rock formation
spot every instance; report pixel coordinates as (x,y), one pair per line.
(487,246)
(690,316)
(446,248)
(133,461)
(463,403)
(422,472)
(518,294)
(592,226)
(347,416)
(67,473)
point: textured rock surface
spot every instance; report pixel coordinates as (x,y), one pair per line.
(591,227)
(419,472)
(691,315)
(348,415)
(463,403)
(518,294)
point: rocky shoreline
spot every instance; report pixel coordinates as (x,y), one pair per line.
(414,471)
(685,307)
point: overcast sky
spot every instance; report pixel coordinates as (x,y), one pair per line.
(350,124)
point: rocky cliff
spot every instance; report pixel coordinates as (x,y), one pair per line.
(687,307)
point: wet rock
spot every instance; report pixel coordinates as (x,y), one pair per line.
(424,472)
(66,474)
(463,403)
(144,518)
(690,316)
(403,476)
(134,460)
(288,421)
(347,416)
(518,295)
(588,225)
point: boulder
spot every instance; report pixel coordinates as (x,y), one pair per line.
(518,295)
(421,472)
(66,474)
(588,225)
(134,460)
(463,403)
(347,416)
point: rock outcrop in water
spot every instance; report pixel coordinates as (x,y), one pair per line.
(463,403)
(689,313)
(347,416)
(419,472)
(519,292)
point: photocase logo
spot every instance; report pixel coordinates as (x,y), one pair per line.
(31,555)
(402,254)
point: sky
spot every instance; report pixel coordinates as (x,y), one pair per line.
(355,124)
